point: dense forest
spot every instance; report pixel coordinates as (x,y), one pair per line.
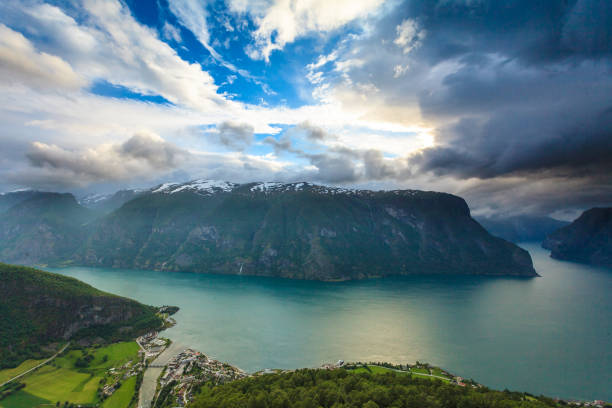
(341,388)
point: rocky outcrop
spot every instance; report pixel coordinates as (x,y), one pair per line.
(588,239)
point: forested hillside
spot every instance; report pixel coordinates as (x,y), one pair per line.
(341,388)
(38,308)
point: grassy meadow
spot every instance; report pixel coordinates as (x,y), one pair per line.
(76,376)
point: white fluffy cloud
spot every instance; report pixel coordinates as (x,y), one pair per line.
(193,15)
(20,62)
(111,45)
(409,35)
(282,21)
(142,155)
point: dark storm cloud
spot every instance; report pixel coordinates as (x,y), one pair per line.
(530,94)
(536,31)
(541,143)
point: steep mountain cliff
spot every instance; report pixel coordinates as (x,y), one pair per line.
(521,228)
(45,228)
(37,308)
(588,239)
(300,231)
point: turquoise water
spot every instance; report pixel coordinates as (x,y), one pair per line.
(549,335)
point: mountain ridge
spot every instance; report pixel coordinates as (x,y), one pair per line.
(295,230)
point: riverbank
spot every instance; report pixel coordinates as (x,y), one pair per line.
(148,388)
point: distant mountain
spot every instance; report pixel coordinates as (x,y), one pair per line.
(38,308)
(108,202)
(45,228)
(298,230)
(588,239)
(9,199)
(521,228)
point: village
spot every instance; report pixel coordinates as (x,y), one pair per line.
(183,375)
(152,346)
(188,370)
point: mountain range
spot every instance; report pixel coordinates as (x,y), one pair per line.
(290,230)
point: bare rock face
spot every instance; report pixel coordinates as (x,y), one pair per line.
(588,239)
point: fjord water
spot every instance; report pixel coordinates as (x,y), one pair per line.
(550,335)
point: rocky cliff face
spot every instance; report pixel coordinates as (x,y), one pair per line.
(588,239)
(38,307)
(300,231)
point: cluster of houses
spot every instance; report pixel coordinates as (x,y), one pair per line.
(192,368)
(118,374)
(593,404)
(151,345)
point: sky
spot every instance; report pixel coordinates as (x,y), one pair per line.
(505,103)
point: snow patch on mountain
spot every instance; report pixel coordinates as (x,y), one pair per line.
(196,186)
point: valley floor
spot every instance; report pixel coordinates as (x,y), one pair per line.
(83,376)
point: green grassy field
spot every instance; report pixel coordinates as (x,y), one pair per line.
(374,369)
(116,355)
(437,371)
(122,397)
(417,372)
(12,372)
(61,380)
(62,384)
(23,400)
